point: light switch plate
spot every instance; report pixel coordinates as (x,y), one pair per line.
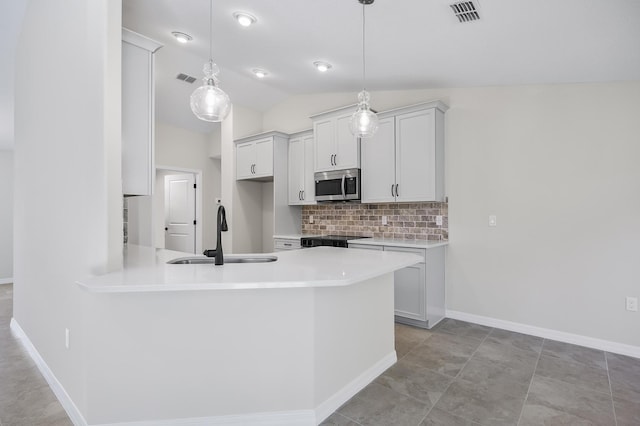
(439,220)
(310,218)
(384,220)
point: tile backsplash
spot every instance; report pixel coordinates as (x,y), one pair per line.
(409,221)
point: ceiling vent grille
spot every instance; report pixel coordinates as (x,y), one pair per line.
(186,78)
(465,11)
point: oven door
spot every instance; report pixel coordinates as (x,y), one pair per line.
(338,185)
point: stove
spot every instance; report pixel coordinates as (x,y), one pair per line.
(328,240)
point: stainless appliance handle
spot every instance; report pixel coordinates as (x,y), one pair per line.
(344,190)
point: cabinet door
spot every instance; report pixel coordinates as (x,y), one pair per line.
(325,144)
(309,183)
(416,156)
(263,158)
(296,170)
(245,156)
(410,288)
(379,164)
(347,145)
(137,120)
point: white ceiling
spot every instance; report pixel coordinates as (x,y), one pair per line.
(410,44)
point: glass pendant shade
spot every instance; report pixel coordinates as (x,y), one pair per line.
(364,122)
(209,102)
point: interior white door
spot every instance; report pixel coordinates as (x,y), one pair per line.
(180,212)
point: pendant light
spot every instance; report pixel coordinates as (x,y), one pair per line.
(364,122)
(209,102)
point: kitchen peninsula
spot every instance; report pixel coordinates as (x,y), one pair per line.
(285,342)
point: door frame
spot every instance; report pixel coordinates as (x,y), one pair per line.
(159,221)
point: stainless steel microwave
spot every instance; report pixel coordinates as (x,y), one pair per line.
(338,185)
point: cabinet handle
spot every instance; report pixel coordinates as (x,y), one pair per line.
(299,195)
(287,244)
(397,195)
(335,159)
(303,195)
(392,191)
(331,159)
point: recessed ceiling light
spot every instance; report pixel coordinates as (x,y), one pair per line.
(322,66)
(245,19)
(182,37)
(259,72)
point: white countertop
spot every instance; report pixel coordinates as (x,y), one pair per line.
(145,270)
(421,244)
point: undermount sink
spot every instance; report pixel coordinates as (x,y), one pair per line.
(227,259)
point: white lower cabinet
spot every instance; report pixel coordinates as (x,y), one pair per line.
(282,244)
(419,293)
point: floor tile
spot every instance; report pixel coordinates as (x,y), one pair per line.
(461,328)
(444,353)
(480,404)
(574,353)
(557,403)
(627,413)
(624,373)
(418,382)
(439,417)
(338,420)
(516,340)
(408,337)
(378,405)
(501,369)
(574,373)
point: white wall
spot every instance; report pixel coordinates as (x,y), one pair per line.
(6,216)
(558,166)
(67,192)
(185,149)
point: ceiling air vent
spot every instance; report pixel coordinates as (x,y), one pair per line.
(186,78)
(465,11)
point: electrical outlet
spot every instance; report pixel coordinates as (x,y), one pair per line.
(384,220)
(66,338)
(439,220)
(632,304)
(493,221)
(310,219)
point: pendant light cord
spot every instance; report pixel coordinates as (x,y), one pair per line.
(363,37)
(211,30)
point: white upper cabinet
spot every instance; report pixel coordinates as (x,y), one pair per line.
(404,160)
(138,113)
(300,178)
(335,146)
(254,159)
(378,166)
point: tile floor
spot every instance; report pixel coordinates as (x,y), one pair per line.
(458,374)
(462,374)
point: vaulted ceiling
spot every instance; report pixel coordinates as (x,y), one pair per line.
(410,44)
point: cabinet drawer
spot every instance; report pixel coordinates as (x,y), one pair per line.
(280,244)
(365,246)
(418,252)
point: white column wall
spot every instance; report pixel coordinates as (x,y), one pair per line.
(68,211)
(558,166)
(6,216)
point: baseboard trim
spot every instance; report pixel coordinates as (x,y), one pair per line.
(283,418)
(326,408)
(547,333)
(57,388)
(6,280)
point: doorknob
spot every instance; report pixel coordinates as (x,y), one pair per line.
(166,228)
